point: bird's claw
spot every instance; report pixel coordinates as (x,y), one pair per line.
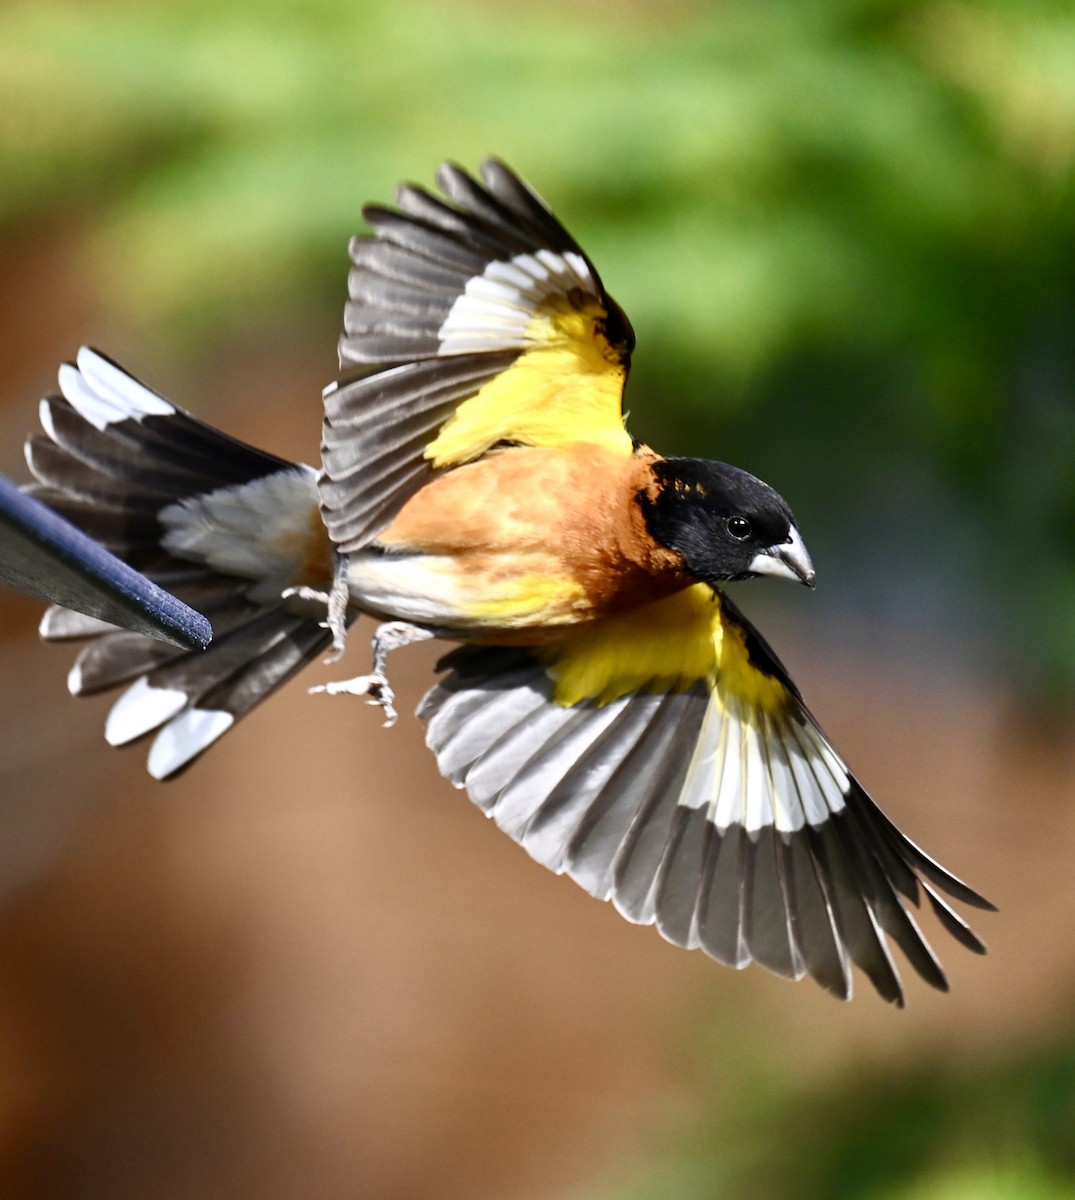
(374,687)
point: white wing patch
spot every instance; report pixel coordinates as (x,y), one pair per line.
(103,394)
(758,770)
(185,737)
(259,530)
(495,310)
(139,709)
(183,734)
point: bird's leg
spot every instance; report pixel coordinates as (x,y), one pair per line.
(375,686)
(335,601)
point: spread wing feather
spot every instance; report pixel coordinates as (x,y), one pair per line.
(729,824)
(472,321)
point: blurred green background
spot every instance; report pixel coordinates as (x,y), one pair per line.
(845,234)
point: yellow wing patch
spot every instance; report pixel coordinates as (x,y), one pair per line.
(566,387)
(668,645)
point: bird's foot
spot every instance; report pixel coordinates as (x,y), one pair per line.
(375,686)
(335,601)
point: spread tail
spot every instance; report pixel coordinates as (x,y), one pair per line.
(225,527)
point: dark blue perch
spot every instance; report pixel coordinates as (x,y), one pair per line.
(45,555)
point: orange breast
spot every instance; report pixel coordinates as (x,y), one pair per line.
(560,522)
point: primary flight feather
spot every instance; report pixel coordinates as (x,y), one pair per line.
(608,706)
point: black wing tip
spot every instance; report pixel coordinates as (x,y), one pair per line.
(495,172)
(873,831)
(921,864)
(843,993)
(450,170)
(968,895)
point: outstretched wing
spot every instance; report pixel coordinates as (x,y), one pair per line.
(473,321)
(684,779)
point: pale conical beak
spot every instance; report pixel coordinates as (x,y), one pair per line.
(788,560)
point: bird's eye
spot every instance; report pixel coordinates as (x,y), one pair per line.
(739,528)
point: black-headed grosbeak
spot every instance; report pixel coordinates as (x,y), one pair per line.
(608,706)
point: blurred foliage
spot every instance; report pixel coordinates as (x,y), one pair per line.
(844,232)
(1000,1129)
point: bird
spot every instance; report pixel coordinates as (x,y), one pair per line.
(605,703)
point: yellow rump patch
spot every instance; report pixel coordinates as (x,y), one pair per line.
(567,387)
(668,645)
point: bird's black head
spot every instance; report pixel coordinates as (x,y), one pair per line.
(724,522)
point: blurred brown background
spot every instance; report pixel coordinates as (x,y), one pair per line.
(310,967)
